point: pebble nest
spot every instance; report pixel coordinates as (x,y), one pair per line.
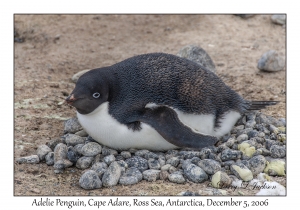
(256,144)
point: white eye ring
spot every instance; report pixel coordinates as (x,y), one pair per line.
(96,95)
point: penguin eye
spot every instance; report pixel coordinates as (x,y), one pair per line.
(96,95)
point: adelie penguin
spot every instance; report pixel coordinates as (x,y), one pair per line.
(157,101)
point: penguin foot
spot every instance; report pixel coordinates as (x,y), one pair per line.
(135,126)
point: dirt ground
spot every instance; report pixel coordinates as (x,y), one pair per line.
(57,46)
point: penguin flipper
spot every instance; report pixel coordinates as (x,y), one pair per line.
(166,122)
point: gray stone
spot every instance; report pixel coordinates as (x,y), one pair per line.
(62,164)
(194,173)
(126,154)
(91,149)
(176,178)
(188,154)
(174,161)
(241,171)
(131,176)
(161,160)
(122,163)
(73,155)
(242,137)
(209,166)
(195,160)
(42,151)
(250,124)
(141,153)
(257,164)
(153,164)
(270,143)
(109,159)
(230,154)
(278,19)
(204,153)
(49,158)
(138,162)
(52,143)
(33,159)
(84,162)
(82,133)
(60,152)
(149,155)
(78,148)
(99,168)
(72,126)
(90,180)
(163,175)
(72,139)
(197,55)
(165,167)
(112,175)
(271,61)
(151,175)
(278,151)
(172,169)
(244,131)
(221,180)
(108,151)
(252,134)
(171,153)
(230,142)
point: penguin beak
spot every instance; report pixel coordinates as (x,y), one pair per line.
(71,99)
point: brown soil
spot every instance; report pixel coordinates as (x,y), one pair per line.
(58,46)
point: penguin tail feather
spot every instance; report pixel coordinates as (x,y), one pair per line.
(257,105)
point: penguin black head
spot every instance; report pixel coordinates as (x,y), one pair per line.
(91,91)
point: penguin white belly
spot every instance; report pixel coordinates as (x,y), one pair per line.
(109,132)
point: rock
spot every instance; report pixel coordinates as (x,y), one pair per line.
(141,153)
(78,148)
(161,160)
(241,171)
(153,164)
(174,161)
(73,155)
(84,162)
(122,163)
(62,164)
(278,151)
(230,154)
(221,180)
(273,129)
(171,153)
(138,162)
(194,173)
(131,176)
(90,180)
(278,19)
(257,164)
(176,178)
(76,76)
(237,128)
(188,154)
(230,142)
(275,168)
(242,137)
(82,133)
(49,158)
(172,169)
(165,167)
(108,151)
(72,126)
(112,175)
(42,151)
(91,149)
(60,152)
(99,168)
(198,55)
(195,160)
(52,143)
(33,159)
(126,154)
(246,149)
(252,134)
(149,155)
(271,61)
(151,175)
(209,166)
(208,192)
(73,140)
(188,193)
(244,131)
(109,159)
(204,153)
(250,124)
